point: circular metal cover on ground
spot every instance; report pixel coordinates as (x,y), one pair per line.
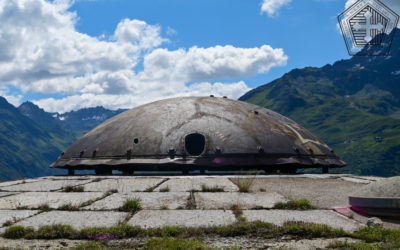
(380,198)
(205,133)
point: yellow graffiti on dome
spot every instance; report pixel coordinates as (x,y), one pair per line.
(303,140)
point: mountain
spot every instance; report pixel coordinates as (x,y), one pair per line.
(81,121)
(41,117)
(26,148)
(31,138)
(352,105)
(76,123)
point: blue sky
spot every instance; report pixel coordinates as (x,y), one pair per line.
(305,29)
(64,55)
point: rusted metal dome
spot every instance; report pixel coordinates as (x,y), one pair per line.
(198,133)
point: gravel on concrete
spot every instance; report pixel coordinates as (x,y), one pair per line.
(185,218)
(52,199)
(190,183)
(44,185)
(385,188)
(123,185)
(148,200)
(77,219)
(262,243)
(226,200)
(327,217)
(38,244)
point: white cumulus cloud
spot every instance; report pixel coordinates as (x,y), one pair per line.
(272,7)
(42,52)
(205,64)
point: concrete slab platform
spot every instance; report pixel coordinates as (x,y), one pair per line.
(327,217)
(226,200)
(4,194)
(185,218)
(44,185)
(14,215)
(123,185)
(356,180)
(195,183)
(323,193)
(149,200)
(10,183)
(77,219)
(53,199)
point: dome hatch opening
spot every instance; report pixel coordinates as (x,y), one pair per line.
(195,144)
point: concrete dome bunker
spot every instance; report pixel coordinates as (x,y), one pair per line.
(198,133)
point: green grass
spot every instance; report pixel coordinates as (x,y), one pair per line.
(73,189)
(376,234)
(131,205)
(17,232)
(156,243)
(165,189)
(213,189)
(45,208)
(295,205)
(149,189)
(68,207)
(54,232)
(237,211)
(242,228)
(312,230)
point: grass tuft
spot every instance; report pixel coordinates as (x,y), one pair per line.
(295,205)
(242,228)
(165,189)
(69,189)
(17,232)
(68,207)
(312,230)
(237,211)
(45,208)
(57,231)
(376,234)
(131,205)
(149,189)
(244,184)
(214,189)
(190,201)
(22,208)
